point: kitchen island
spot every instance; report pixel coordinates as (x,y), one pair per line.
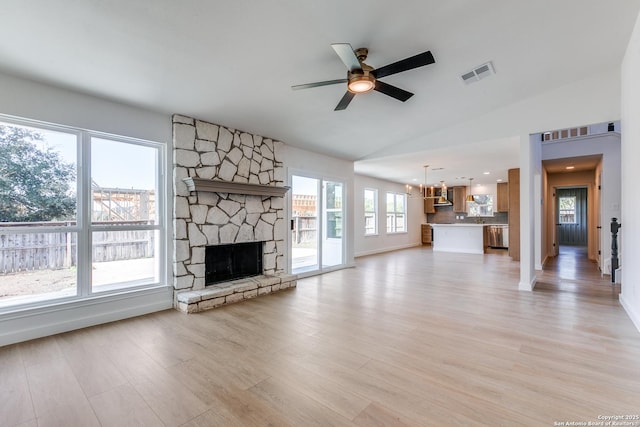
(461,238)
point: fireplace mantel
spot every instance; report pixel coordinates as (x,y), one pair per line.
(216,186)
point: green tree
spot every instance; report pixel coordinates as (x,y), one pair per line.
(34,182)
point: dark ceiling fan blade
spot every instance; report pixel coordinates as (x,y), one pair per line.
(344,102)
(317,84)
(392,91)
(415,61)
(347,55)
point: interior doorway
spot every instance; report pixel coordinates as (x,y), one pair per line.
(572,217)
(571,209)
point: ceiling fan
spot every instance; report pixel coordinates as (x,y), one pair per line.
(363,78)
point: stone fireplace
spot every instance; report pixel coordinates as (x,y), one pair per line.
(229,189)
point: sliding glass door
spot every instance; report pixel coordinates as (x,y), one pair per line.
(317,218)
(304,231)
(332,220)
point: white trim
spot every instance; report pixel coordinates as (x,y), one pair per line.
(633,314)
(376,217)
(524,286)
(25,325)
(387,249)
(325,270)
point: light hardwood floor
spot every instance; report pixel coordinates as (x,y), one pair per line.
(410,338)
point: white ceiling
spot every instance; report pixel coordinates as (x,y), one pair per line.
(233,63)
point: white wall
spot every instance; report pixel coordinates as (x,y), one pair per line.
(630,231)
(27,99)
(530,218)
(297,160)
(37,101)
(383,242)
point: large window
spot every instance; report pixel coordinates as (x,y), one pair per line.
(79,213)
(370,212)
(396,213)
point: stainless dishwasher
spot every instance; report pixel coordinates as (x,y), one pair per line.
(498,236)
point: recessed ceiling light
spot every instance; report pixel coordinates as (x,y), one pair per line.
(486,173)
(414,179)
(499,179)
(570,167)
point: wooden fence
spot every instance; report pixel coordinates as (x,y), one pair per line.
(56,250)
(304,229)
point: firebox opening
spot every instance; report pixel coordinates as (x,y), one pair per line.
(233,261)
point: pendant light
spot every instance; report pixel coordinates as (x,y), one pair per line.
(469,195)
(423,189)
(443,193)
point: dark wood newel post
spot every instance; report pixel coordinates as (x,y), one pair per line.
(615,226)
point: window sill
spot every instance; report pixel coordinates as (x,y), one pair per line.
(24,324)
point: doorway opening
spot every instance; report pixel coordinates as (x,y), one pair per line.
(572,212)
(572,219)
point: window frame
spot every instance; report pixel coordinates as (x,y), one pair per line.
(373,213)
(393,215)
(573,212)
(480,214)
(84,226)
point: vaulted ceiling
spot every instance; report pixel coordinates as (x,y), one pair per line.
(233,63)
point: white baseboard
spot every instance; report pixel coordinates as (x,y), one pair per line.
(632,312)
(387,249)
(40,322)
(326,270)
(528,287)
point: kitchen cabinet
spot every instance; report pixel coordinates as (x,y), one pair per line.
(514,214)
(428,203)
(502,197)
(426,234)
(459,199)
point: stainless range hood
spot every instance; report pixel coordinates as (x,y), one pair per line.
(444,194)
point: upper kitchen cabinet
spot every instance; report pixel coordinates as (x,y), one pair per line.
(428,206)
(428,203)
(502,197)
(459,196)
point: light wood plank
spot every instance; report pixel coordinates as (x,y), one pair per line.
(405,338)
(53,385)
(15,399)
(123,406)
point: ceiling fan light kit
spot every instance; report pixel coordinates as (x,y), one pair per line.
(361,83)
(362,78)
